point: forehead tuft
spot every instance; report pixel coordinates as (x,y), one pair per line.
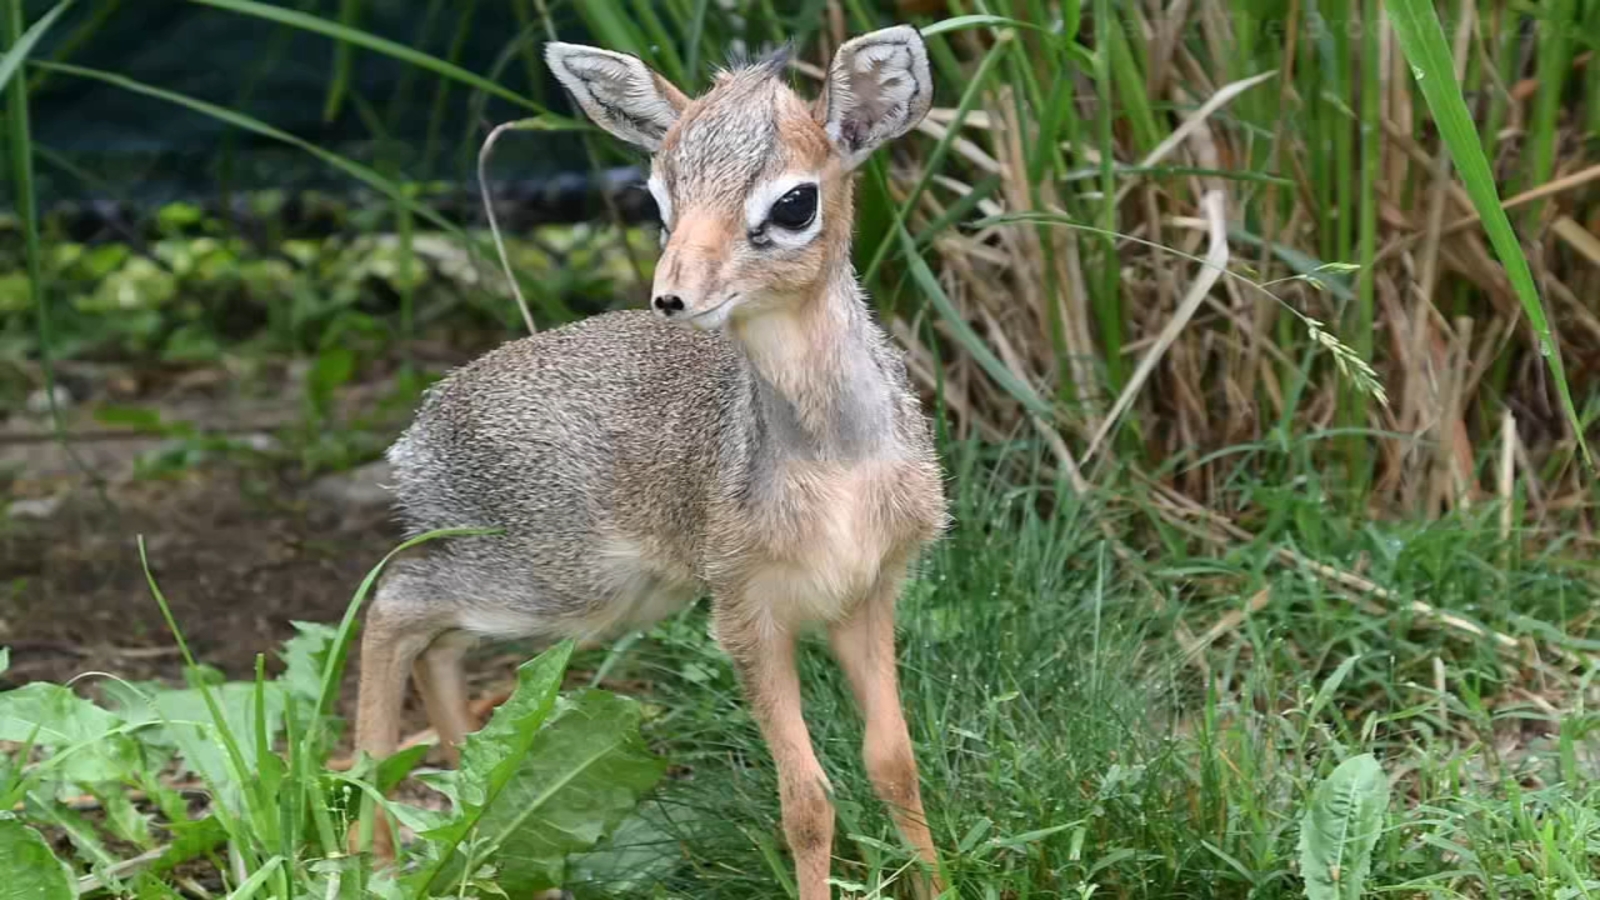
(747,127)
(774,62)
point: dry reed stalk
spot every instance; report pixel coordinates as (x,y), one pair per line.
(1215,264)
(1221,366)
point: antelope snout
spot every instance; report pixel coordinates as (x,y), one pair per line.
(700,303)
(692,283)
(708,314)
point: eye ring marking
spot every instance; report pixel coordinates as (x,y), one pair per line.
(658,192)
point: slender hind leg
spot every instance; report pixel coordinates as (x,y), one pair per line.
(443,686)
(442,683)
(393,638)
(864,646)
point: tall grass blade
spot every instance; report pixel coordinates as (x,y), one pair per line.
(18,52)
(219,720)
(1416,24)
(963,333)
(338,32)
(963,23)
(19,146)
(387,187)
(1557,25)
(969,100)
(1216,263)
(252,885)
(342,58)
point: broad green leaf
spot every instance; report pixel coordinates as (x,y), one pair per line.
(490,756)
(635,856)
(82,835)
(90,738)
(394,769)
(28,870)
(419,819)
(192,838)
(1416,25)
(584,773)
(150,888)
(181,720)
(1340,828)
(305,658)
(123,819)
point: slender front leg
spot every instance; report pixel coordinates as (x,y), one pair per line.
(765,659)
(864,646)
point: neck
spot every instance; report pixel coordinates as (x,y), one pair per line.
(820,391)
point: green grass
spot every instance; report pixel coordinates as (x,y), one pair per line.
(1066,745)
(1069,744)
(544,777)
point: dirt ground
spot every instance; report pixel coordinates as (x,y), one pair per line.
(238,560)
(239,550)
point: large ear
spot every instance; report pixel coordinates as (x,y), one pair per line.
(878,88)
(618,92)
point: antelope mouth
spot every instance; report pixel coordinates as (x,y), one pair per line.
(707,319)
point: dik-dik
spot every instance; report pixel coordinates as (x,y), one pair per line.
(752,435)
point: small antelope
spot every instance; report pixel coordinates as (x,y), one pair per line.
(754,435)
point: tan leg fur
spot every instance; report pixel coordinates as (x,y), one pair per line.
(864,646)
(765,659)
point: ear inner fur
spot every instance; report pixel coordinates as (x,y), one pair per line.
(878,88)
(618,92)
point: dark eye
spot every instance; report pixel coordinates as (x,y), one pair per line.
(796,209)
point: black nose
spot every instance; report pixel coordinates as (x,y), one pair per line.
(669,304)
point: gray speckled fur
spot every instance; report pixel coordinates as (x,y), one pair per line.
(618,426)
(627,434)
(728,145)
